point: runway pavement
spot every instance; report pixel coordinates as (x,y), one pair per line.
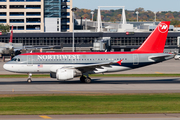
(94,117)
(114,85)
(170,66)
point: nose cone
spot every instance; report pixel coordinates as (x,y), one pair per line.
(6,67)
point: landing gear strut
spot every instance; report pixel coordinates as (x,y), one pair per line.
(29,78)
(85,79)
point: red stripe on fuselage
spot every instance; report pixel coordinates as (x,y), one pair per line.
(84,53)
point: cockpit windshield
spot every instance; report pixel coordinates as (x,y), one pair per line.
(16,59)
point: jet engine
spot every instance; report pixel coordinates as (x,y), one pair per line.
(66,74)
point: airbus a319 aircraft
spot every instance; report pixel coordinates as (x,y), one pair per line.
(67,65)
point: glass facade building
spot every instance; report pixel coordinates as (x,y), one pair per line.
(52,8)
(57,15)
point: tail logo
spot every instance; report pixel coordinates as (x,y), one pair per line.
(163,28)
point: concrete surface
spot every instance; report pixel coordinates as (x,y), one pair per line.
(94,117)
(98,85)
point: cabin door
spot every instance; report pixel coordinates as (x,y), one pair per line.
(29,60)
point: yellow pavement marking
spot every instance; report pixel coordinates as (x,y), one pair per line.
(158,73)
(45,117)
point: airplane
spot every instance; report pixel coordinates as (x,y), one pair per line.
(67,65)
(7,46)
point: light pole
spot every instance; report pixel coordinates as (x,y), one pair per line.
(73,10)
(92,14)
(155,16)
(137,15)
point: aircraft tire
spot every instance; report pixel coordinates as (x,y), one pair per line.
(29,80)
(88,80)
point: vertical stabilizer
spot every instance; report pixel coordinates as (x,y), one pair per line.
(156,41)
(11,36)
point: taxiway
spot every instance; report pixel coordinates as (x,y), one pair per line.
(99,85)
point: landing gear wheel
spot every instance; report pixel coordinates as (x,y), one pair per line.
(29,80)
(88,80)
(82,79)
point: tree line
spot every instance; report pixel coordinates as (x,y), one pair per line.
(144,15)
(4,28)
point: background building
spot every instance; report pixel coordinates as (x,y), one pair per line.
(37,15)
(24,15)
(57,15)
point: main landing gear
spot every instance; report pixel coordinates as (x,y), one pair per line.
(29,78)
(85,79)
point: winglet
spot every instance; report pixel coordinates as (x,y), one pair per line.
(119,62)
(11,36)
(156,41)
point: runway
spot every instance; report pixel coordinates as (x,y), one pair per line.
(110,85)
(94,117)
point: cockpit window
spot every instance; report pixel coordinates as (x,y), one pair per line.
(14,59)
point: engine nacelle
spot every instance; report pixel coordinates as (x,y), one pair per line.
(66,74)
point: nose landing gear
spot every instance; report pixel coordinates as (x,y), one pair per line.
(29,78)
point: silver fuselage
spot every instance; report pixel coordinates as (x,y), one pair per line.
(46,63)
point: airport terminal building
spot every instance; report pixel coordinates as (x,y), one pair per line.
(84,41)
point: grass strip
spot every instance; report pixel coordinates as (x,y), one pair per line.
(94,75)
(90,104)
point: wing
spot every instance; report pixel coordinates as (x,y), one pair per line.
(92,67)
(89,67)
(38,47)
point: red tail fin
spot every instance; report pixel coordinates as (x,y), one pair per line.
(156,41)
(11,36)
